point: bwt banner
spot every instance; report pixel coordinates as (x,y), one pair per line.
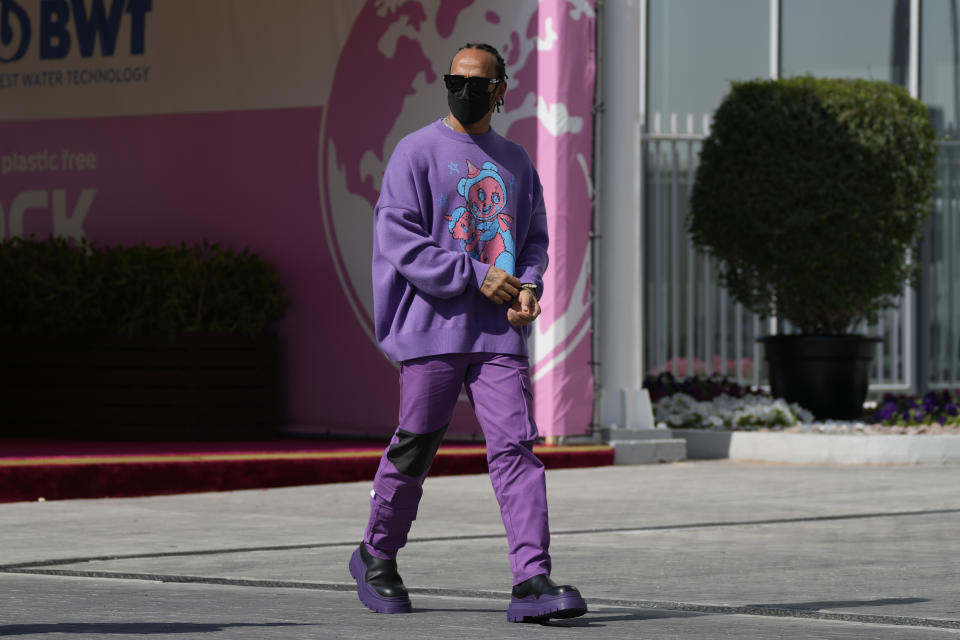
(269,125)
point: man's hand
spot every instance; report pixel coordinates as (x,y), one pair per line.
(524,310)
(500,286)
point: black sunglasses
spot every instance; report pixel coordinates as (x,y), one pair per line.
(477,84)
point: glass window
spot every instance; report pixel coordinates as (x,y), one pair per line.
(940,63)
(696,47)
(939,296)
(845,39)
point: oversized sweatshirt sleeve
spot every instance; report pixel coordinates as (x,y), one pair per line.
(532,262)
(404,242)
(418,258)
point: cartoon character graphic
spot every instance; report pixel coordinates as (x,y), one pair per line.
(483,229)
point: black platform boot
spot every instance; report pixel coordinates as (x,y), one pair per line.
(379,585)
(540,598)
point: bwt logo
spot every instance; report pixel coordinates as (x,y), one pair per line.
(90,19)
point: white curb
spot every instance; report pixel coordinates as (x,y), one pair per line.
(821,447)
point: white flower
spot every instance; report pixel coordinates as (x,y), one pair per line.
(749,412)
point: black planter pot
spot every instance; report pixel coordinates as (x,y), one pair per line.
(828,375)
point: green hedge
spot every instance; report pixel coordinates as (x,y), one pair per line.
(58,288)
(812,193)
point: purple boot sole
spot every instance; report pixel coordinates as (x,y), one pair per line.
(369,596)
(532,609)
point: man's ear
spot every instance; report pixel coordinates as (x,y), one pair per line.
(498,95)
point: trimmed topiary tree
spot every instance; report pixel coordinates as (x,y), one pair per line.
(812,193)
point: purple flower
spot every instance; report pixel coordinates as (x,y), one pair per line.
(701,387)
(887,411)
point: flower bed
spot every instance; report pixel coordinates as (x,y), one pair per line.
(940,407)
(728,421)
(935,413)
(717,402)
(699,387)
(749,413)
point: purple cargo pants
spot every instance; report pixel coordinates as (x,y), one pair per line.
(499,389)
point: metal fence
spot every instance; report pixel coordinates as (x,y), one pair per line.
(690,323)
(939,309)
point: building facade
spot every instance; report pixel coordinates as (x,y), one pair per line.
(665,66)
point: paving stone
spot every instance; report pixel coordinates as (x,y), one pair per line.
(687,550)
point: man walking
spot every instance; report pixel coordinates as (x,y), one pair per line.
(460,248)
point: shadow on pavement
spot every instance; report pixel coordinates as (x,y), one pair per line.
(591,619)
(456,610)
(141,628)
(837,604)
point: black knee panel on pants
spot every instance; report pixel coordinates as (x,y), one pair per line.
(414,452)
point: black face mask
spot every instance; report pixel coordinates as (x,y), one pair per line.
(468,107)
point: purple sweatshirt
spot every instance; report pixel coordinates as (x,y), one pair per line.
(451,205)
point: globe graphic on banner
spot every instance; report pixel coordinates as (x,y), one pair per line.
(389,83)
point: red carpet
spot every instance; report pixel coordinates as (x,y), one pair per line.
(57,470)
